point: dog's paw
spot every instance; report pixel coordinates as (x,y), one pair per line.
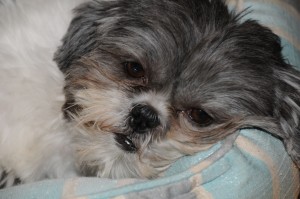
(8,179)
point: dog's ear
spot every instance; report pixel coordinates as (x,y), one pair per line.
(80,38)
(284,108)
(287,109)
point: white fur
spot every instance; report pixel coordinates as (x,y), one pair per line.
(34,139)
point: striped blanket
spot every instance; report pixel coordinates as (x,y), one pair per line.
(247,165)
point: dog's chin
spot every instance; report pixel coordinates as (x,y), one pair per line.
(115,155)
(118,158)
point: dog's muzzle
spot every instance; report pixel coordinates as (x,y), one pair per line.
(142,119)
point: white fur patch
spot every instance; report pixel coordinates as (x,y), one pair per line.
(34,143)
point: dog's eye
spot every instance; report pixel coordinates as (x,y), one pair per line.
(200,117)
(134,69)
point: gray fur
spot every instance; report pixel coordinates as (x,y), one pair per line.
(199,53)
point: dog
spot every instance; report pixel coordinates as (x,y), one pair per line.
(123,88)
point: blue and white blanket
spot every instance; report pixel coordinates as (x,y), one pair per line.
(247,165)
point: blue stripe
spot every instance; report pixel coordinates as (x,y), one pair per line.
(272,15)
(291,53)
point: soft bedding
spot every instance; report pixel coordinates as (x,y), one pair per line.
(249,164)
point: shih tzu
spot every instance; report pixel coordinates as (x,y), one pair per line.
(133,85)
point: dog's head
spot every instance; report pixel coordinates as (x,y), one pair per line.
(149,81)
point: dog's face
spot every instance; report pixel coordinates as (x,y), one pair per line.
(150,81)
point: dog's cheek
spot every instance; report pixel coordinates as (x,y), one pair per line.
(185,140)
(102,110)
(99,156)
(85,74)
(190,139)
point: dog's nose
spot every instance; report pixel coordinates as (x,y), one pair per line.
(143,117)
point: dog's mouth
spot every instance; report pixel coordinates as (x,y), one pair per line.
(125,143)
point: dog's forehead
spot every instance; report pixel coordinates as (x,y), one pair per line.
(156,34)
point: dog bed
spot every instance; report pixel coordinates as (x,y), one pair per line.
(246,165)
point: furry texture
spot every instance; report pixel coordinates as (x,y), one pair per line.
(34,139)
(191,70)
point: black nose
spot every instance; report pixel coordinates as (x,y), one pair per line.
(142,118)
